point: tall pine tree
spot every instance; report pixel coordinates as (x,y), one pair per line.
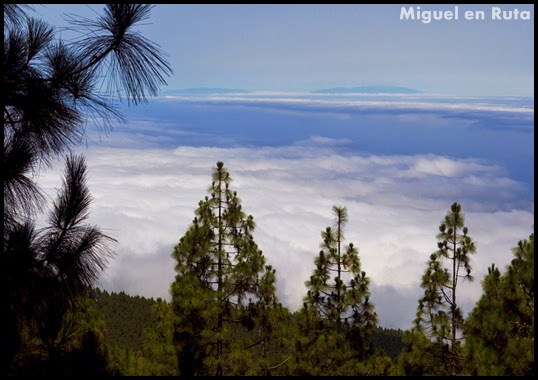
(339,298)
(438,315)
(339,303)
(222,283)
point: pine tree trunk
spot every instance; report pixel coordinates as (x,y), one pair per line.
(338,304)
(219,285)
(454,283)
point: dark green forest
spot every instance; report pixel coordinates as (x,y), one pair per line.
(223,316)
(131,324)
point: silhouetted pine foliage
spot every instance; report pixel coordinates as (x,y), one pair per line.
(51,89)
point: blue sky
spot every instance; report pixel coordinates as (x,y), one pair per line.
(397,162)
(283,47)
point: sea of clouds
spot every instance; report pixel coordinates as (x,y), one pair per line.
(148,176)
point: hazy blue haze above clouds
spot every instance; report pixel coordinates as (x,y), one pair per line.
(290,47)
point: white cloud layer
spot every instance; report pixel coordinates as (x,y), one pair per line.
(354,102)
(146,199)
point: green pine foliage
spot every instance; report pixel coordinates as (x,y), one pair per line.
(139,333)
(500,330)
(388,341)
(156,356)
(126,317)
(340,303)
(420,356)
(222,281)
(337,315)
(439,317)
(75,348)
(158,347)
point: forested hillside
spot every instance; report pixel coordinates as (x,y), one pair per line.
(129,317)
(126,317)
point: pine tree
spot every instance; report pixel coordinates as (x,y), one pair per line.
(419,357)
(52,267)
(50,90)
(221,281)
(339,307)
(499,333)
(158,348)
(339,303)
(438,314)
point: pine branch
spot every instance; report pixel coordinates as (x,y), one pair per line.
(278,365)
